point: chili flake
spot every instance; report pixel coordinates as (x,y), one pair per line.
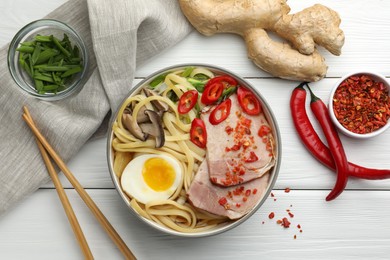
(361,104)
(264,130)
(222,201)
(285,222)
(271,215)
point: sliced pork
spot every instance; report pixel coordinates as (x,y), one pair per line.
(236,150)
(232,202)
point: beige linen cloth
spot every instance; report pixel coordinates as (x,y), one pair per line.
(120,35)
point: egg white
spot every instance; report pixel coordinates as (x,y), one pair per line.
(133,183)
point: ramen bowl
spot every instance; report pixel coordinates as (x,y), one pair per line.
(163,175)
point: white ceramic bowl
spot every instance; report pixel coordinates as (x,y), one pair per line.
(273,172)
(377,78)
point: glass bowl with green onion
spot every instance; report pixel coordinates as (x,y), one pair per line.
(48,59)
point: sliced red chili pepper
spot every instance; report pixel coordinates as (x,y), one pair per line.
(187,101)
(212,93)
(198,133)
(248,101)
(321,113)
(314,144)
(214,88)
(223,79)
(220,112)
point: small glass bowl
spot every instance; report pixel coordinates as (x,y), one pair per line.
(377,78)
(46,27)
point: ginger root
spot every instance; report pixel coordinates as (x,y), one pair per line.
(297,60)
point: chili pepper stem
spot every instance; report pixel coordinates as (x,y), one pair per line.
(313,97)
(301,85)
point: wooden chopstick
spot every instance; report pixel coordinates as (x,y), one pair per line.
(64,200)
(83,194)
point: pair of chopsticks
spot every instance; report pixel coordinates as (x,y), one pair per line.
(46,150)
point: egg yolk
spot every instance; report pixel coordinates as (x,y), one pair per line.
(158,174)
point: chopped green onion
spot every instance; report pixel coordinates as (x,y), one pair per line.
(50,62)
(26,49)
(158,80)
(71,72)
(187,72)
(198,84)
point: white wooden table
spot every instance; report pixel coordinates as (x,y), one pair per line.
(354,226)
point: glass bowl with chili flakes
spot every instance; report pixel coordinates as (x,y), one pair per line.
(359,104)
(48,60)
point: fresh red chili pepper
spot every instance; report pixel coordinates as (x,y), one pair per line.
(220,112)
(248,101)
(314,144)
(321,113)
(198,133)
(187,101)
(212,93)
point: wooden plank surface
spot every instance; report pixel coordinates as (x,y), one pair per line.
(38,229)
(354,226)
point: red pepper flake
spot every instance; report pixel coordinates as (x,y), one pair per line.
(244,199)
(291,215)
(254,191)
(285,222)
(273,196)
(222,201)
(252,157)
(271,215)
(299,227)
(238,205)
(248,193)
(279,222)
(264,130)
(361,104)
(228,130)
(295,236)
(287,190)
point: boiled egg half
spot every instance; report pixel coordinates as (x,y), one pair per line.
(151,177)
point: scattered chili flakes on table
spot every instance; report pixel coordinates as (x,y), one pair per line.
(361,104)
(285,221)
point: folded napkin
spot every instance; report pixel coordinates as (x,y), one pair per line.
(120,36)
